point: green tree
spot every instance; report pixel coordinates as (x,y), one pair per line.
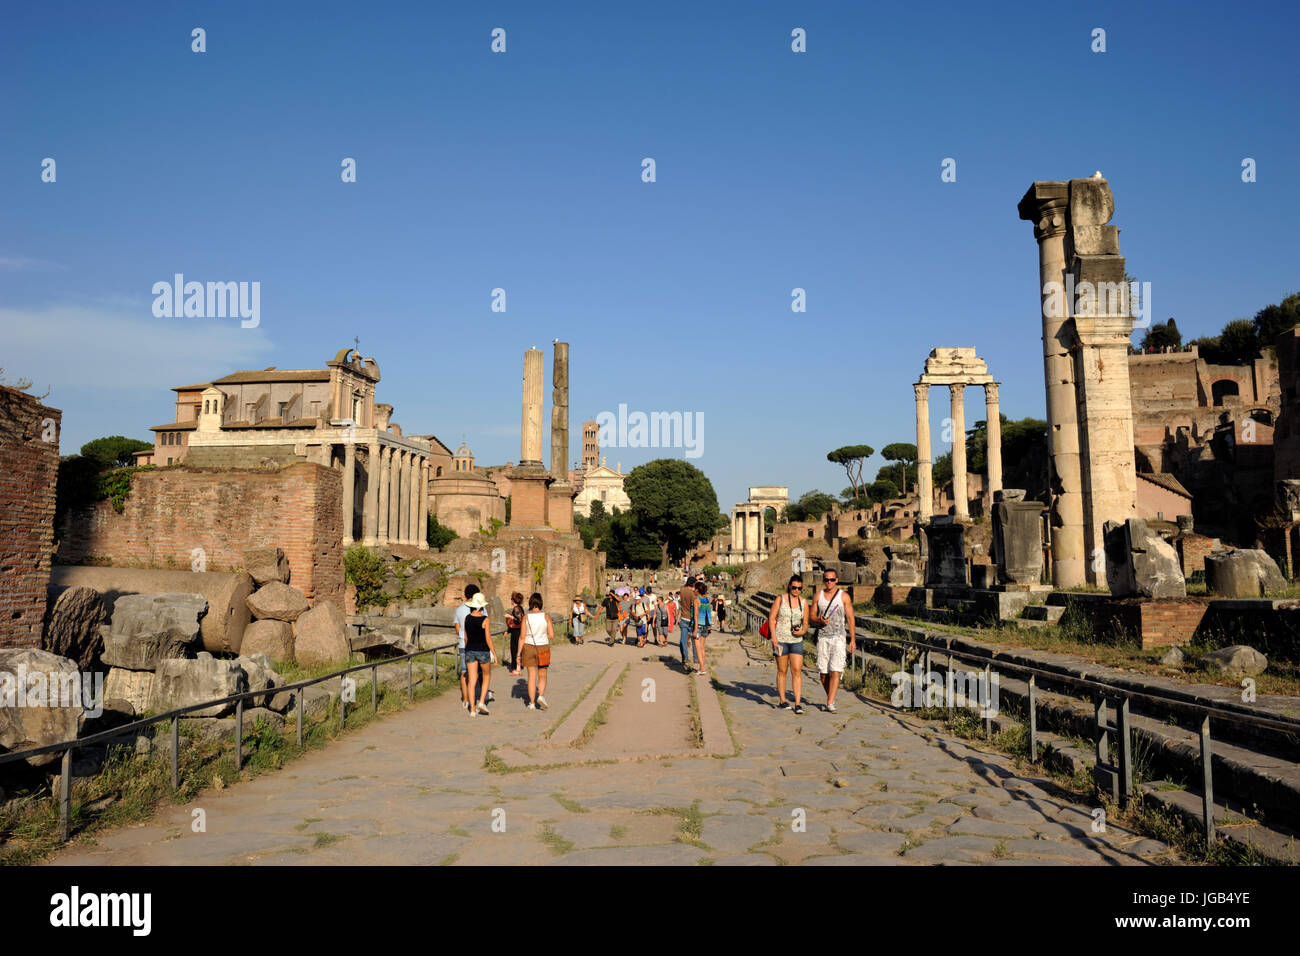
(902,452)
(1272,320)
(629,544)
(597,511)
(114,451)
(439,536)
(882,490)
(673,503)
(811,506)
(852,457)
(1162,335)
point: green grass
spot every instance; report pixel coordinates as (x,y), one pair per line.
(326,839)
(573,806)
(601,714)
(559,846)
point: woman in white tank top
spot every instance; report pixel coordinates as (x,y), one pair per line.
(535,651)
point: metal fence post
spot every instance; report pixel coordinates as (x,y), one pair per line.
(1207,781)
(65,797)
(239,734)
(1125,752)
(299,709)
(374,689)
(410,679)
(988,696)
(1033,721)
(343,701)
(176,752)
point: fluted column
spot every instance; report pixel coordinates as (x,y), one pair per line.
(993,429)
(371,521)
(349,490)
(394,489)
(384,480)
(399,488)
(958,413)
(422,532)
(924,465)
(1045,206)
(413,497)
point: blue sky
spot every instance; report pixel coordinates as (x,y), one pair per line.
(522,171)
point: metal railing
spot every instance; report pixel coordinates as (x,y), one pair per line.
(1119,774)
(69,747)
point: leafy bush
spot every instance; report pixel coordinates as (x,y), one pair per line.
(439,536)
(366,570)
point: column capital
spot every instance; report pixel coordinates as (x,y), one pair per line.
(922,390)
(957,390)
(991,391)
(1044,205)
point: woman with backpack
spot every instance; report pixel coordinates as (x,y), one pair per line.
(787,623)
(538,634)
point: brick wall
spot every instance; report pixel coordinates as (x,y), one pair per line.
(170,513)
(1149,623)
(29,466)
(1192,549)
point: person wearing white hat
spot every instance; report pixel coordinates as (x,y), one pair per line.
(479,653)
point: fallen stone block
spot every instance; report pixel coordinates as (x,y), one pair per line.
(72,621)
(134,687)
(321,636)
(1239,660)
(1245,573)
(184,683)
(1139,563)
(266,565)
(272,638)
(149,628)
(277,602)
(31,683)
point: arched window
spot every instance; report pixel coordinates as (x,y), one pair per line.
(439,474)
(1224,388)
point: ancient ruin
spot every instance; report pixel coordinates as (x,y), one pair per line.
(956,368)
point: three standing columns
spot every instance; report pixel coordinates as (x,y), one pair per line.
(957,423)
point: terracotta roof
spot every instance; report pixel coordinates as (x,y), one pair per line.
(275,375)
(175,427)
(191,388)
(1166,481)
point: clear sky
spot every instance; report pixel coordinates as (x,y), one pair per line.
(522,171)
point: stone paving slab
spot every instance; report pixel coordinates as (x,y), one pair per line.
(849,789)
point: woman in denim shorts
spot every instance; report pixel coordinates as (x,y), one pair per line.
(788,623)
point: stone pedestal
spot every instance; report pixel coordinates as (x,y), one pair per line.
(1017,538)
(559,504)
(1140,564)
(529,484)
(946,544)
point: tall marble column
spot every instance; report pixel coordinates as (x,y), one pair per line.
(1045,206)
(349,490)
(993,429)
(924,465)
(560,413)
(530,437)
(370,528)
(413,472)
(423,530)
(384,479)
(394,496)
(959,496)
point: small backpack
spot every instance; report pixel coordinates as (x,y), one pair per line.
(705,615)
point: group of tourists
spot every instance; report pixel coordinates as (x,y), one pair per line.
(531,634)
(787,625)
(641,615)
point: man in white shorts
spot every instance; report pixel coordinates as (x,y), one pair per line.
(833,613)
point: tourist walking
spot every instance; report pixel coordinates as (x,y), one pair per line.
(640,619)
(686,623)
(480,655)
(833,613)
(514,621)
(703,622)
(462,612)
(610,607)
(658,610)
(787,622)
(535,653)
(624,613)
(578,619)
(720,608)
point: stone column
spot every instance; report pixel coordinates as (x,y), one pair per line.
(1045,206)
(414,471)
(993,423)
(959,497)
(404,497)
(394,495)
(383,478)
(560,413)
(349,490)
(924,466)
(423,530)
(530,438)
(371,523)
